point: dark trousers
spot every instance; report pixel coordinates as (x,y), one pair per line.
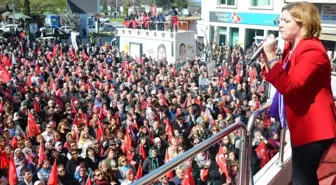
(305,161)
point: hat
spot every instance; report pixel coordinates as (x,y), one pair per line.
(157,139)
(57,144)
(38,182)
(16,116)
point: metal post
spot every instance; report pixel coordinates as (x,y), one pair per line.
(282,147)
(243,159)
(116,10)
(13,13)
(250,127)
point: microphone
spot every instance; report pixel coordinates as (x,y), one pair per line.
(256,54)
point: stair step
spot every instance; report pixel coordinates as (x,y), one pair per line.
(326,172)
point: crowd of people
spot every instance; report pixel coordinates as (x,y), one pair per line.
(99,115)
(152,20)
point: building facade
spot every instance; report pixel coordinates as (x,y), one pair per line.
(239,21)
(246,21)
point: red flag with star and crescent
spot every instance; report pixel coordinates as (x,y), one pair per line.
(33,129)
(221,161)
(188,178)
(4,75)
(263,154)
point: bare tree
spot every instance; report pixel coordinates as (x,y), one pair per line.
(71,19)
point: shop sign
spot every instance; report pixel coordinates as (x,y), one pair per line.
(328,14)
(245,18)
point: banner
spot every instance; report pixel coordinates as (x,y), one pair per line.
(73,40)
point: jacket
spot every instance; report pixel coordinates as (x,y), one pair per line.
(305,84)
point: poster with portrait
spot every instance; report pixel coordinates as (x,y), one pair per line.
(156,49)
(185,49)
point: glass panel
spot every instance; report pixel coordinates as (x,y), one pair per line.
(228,2)
(234,36)
(212,32)
(261,2)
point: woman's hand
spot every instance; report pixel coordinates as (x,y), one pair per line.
(269,52)
(269,46)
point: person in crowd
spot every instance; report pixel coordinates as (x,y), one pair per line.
(98,114)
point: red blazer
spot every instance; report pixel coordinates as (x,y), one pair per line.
(306,86)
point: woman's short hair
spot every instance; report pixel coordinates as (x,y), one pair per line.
(306,15)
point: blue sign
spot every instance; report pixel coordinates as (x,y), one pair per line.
(245,18)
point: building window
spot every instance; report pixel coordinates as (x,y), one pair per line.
(227,2)
(261,3)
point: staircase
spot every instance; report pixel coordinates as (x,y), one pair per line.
(327,169)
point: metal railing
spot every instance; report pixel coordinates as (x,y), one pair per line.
(158,25)
(245,175)
(250,127)
(156,174)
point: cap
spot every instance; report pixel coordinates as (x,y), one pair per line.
(157,139)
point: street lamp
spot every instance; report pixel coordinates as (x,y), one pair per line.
(116,9)
(13,13)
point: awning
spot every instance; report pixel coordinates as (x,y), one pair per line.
(19,16)
(329,37)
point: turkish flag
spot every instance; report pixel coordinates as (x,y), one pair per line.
(4,162)
(33,129)
(36,106)
(238,77)
(38,70)
(257,104)
(127,144)
(4,75)
(135,124)
(14,142)
(12,177)
(140,171)
(188,179)
(100,131)
(54,50)
(53,179)
(225,73)
(72,101)
(204,174)
(88,181)
(1,106)
(221,161)
(170,174)
(42,154)
(28,81)
(52,84)
(262,152)
(142,152)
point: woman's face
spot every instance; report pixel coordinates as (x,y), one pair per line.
(82,172)
(91,152)
(182,50)
(161,53)
(131,176)
(232,156)
(289,29)
(46,165)
(99,175)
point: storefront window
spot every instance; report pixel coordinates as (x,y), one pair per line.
(262,3)
(227,2)
(234,36)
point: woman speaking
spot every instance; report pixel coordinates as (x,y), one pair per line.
(303,82)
